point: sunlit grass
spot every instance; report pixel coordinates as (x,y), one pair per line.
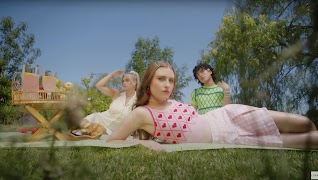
(141,163)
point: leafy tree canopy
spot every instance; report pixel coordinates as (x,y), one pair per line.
(16,48)
(267,51)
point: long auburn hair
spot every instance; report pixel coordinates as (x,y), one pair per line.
(142,96)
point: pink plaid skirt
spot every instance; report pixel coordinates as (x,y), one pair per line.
(243,125)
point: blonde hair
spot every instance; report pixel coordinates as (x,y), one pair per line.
(142,96)
(134,78)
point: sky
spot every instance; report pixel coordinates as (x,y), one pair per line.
(80,37)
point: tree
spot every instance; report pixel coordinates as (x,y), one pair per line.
(268,51)
(147,50)
(16,48)
(97,102)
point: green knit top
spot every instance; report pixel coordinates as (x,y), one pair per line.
(207,98)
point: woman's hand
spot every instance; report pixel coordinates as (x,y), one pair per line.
(150,144)
(117,73)
(224,86)
(226,89)
(147,143)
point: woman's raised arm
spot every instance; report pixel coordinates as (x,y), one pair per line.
(111,92)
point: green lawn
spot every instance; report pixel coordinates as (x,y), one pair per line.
(141,163)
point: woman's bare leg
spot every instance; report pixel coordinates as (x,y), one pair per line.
(96,129)
(300,140)
(292,123)
(84,123)
(92,128)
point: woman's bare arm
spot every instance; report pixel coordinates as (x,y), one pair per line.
(111,92)
(139,118)
(226,89)
(133,121)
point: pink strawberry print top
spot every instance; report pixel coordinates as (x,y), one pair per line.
(178,124)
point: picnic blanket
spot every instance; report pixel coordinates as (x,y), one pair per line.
(15,139)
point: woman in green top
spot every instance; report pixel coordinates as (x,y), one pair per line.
(211,95)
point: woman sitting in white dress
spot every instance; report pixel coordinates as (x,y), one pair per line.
(106,122)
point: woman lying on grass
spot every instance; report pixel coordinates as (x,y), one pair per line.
(170,121)
(105,122)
